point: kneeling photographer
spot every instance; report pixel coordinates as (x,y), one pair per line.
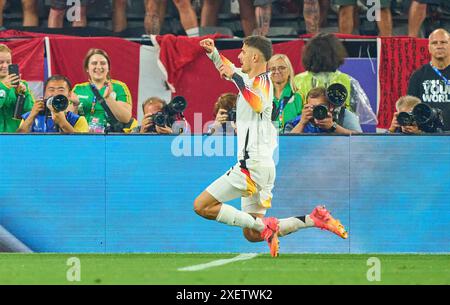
(324,113)
(225,115)
(51,114)
(415,117)
(163,118)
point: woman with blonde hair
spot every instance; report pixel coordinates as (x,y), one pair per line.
(287,104)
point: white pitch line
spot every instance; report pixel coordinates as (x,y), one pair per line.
(220,262)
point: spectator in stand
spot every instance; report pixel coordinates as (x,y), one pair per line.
(255,15)
(417,15)
(58,12)
(287,103)
(155,11)
(2,7)
(30,12)
(97,65)
(346,13)
(311,13)
(431,82)
(10,87)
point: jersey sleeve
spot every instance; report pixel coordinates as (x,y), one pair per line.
(29,99)
(122,93)
(219,59)
(256,93)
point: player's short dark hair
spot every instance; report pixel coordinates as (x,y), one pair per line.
(58,77)
(323,53)
(261,43)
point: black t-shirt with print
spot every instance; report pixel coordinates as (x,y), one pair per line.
(430,88)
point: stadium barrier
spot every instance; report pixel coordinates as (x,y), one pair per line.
(118,193)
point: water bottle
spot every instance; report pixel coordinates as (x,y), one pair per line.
(95,126)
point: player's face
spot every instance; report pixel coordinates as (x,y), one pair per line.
(5,61)
(439,45)
(98,67)
(56,87)
(245,57)
(280,71)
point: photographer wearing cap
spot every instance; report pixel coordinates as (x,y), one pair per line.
(225,115)
(51,114)
(162,118)
(415,117)
(320,115)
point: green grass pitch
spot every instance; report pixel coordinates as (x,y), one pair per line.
(262,269)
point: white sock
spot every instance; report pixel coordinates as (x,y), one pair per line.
(233,217)
(293,224)
(193,32)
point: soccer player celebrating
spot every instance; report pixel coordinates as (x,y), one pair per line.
(252,178)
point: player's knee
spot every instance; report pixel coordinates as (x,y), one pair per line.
(199,207)
(252,235)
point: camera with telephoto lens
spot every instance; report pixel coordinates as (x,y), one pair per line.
(427,118)
(170,113)
(336,95)
(58,102)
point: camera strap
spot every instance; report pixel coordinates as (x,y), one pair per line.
(439,73)
(116,126)
(277,112)
(341,116)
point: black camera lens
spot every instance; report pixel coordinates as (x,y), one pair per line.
(177,105)
(320,112)
(405,119)
(423,113)
(160,119)
(59,102)
(337,94)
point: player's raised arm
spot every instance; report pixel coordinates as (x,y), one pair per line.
(217,58)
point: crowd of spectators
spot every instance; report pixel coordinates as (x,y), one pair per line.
(92,105)
(255,15)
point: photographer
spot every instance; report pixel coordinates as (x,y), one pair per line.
(321,57)
(337,120)
(11,87)
(415,117)
(43,117)
(153,107)
(225,114)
